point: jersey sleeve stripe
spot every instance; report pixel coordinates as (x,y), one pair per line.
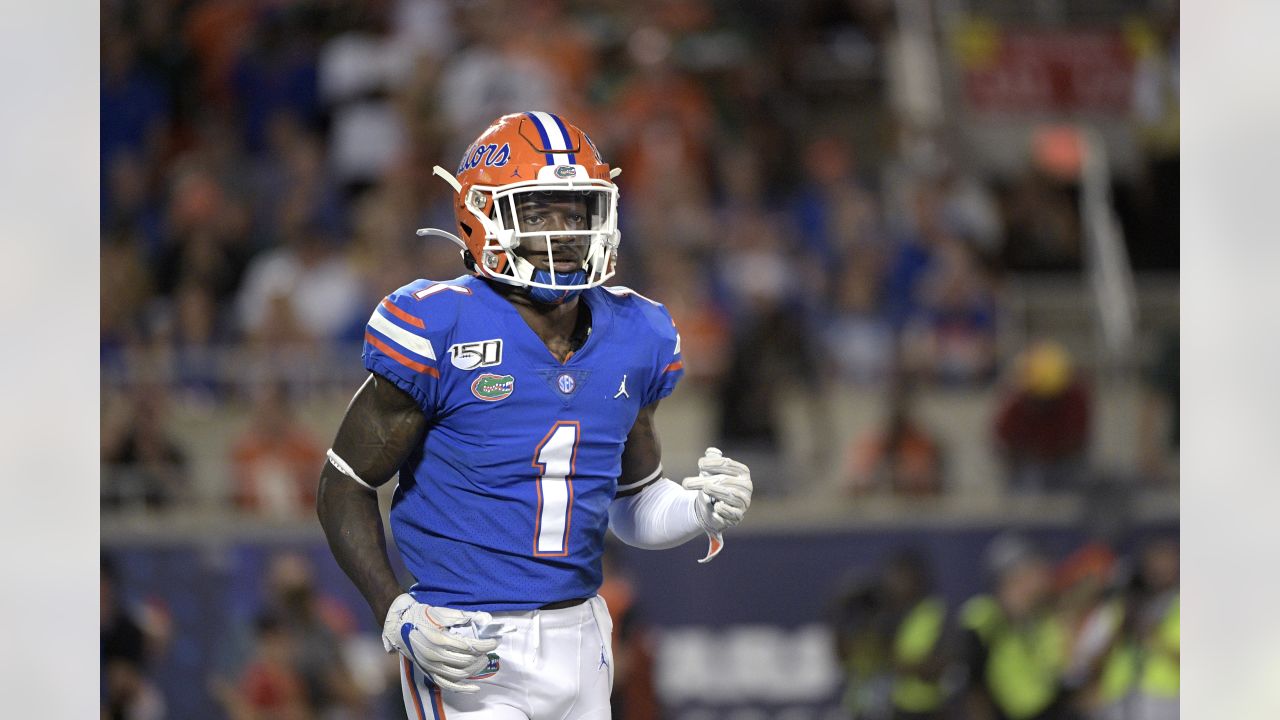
(677,365)
(391,308)
(408,340)
(400,357)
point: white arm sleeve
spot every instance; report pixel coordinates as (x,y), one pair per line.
(658,517)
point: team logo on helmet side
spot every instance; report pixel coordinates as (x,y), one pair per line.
(490,154)
(592,145)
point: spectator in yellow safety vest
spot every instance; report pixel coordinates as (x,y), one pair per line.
(890,636)
(918,654)
(1140,676)
(1013,646)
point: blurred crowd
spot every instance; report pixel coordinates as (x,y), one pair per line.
(1092,633)
(1093,636)
(298,652)
(264,164)
(297,655)
(132,640)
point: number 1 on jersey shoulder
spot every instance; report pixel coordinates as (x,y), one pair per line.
(555,460)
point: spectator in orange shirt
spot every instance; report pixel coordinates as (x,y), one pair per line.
(902,457)
(275,459)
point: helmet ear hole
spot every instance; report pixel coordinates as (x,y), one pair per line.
(466,229)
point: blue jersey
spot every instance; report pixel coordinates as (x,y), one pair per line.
(505,505)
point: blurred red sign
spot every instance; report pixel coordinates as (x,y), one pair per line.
(1027,71)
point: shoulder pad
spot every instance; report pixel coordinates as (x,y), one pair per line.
(435,304)
(651,310)
(435,291)
(416,318)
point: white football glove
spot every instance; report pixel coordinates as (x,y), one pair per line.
(724,494)
(420,632)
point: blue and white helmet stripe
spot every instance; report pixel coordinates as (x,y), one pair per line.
(564,133)
(555,136)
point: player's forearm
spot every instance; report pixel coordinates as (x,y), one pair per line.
(659,517)
(353,525)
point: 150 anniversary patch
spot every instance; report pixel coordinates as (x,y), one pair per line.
(478,354)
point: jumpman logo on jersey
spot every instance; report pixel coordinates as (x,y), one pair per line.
(604,661)
(622,389)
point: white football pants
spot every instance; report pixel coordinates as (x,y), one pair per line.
(552,665)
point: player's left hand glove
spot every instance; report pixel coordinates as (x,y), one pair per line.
(724,494)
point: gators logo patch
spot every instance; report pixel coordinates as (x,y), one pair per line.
(495,664)
(492,388)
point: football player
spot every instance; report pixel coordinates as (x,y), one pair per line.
(517,404)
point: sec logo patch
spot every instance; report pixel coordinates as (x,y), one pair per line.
(566,383)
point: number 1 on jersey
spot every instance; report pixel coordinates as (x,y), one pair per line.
(555,459)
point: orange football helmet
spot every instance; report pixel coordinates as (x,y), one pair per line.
(518,156)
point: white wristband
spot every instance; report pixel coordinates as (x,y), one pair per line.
(345,469)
